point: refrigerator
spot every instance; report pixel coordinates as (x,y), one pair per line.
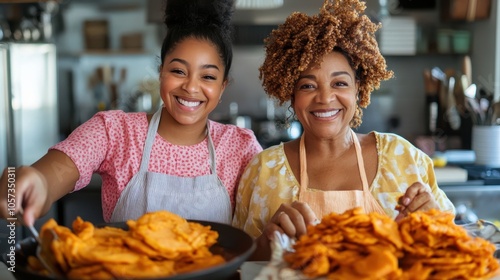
(28,110)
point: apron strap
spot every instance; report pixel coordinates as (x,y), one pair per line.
(211,151)
(304,179)
(361,165)
(150,138)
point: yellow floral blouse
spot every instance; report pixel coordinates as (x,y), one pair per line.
(268,181)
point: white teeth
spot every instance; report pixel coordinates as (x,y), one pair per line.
(188,103)
(325,114)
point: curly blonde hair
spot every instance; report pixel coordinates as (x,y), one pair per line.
(303,40)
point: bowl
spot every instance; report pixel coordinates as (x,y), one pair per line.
(233,244)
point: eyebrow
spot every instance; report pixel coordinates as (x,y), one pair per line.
(334,74)
(205,66)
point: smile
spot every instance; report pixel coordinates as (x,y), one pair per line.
(188,103)
(325,114)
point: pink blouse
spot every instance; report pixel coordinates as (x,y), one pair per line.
(111,144)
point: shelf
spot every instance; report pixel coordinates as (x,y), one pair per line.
(106,53)
(26,1)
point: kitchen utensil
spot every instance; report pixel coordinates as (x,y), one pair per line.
(431,85)
(487,230)
(467,69)
(470,91)
(233,244)
(474,110)
(41,249)
(465,82)
(439,74)
(484,229)
(452,112)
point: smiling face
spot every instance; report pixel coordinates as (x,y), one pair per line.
(325,96)
(192,81)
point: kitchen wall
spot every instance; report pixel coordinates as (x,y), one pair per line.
(398,106)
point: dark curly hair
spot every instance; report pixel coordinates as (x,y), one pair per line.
(303,40)
(202,19)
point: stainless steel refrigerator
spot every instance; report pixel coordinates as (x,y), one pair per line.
(28,107)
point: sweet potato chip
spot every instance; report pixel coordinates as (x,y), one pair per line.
(158,244)
(423,245)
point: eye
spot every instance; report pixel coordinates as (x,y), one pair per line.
(177,71)
(340,84)
(210,77)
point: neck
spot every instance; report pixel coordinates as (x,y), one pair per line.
(331,148)
(180,134)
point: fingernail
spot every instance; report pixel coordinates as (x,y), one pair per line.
(406,201)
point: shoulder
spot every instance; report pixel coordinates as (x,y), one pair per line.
(391,140)
(118,116)
(220,129)
(271,157)
(392,144)
(230,134)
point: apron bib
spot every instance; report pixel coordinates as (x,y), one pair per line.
(195,198)
(326,202)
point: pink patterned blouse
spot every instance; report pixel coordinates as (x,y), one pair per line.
(111,144)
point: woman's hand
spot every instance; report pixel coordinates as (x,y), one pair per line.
(24,188)
(417,197)
(291,219)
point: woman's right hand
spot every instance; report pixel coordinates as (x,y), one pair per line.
(291,219)
(26,189)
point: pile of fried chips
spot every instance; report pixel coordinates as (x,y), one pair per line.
(436,248)
(424,245)
(351,245)
(158,244)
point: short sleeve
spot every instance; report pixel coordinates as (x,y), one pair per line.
(87,146)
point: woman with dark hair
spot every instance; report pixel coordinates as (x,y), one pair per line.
(327,65)
(176,159)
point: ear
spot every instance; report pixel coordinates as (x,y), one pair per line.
(357,90)
(223,87)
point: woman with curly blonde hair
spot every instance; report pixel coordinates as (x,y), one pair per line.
(327,65)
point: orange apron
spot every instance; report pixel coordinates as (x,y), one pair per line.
(326,202)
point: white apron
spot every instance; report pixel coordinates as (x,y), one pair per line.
(326,202)
(199,198)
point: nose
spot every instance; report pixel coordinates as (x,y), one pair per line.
(190,85)
(325,95)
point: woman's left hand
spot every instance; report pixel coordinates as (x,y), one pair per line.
(417,197)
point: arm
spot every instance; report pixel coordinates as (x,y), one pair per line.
(264,202)
(425,194)
(38,186)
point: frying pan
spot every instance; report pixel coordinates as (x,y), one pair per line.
(233,244)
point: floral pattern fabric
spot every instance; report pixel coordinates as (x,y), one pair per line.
(111,144)
(268,181)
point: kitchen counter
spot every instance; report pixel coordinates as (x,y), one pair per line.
(482,199)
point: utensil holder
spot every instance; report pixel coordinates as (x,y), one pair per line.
(486,145)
